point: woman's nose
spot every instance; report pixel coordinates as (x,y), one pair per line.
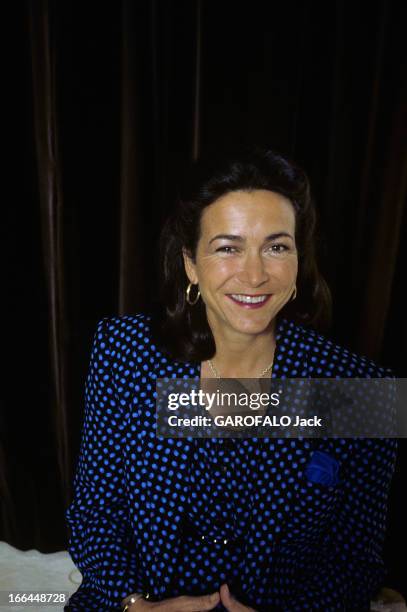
(253,270)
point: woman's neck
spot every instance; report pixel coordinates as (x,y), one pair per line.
(242,355)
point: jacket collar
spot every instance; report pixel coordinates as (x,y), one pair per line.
(289,337)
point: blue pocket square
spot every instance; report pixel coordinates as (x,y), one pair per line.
(323,469)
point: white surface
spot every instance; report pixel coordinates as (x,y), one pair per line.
(29,571)
(32,571)
(393,607)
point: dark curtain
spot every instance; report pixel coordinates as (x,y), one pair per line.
(106,100)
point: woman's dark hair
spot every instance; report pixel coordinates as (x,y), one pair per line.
(183,329)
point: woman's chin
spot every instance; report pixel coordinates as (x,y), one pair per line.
(251,327)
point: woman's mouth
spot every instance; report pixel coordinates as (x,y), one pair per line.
(249,301)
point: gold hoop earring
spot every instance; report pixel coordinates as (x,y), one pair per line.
(294,295)
(197,296)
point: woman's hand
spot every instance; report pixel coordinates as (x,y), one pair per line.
(231,603)
(184,603)
(188,603)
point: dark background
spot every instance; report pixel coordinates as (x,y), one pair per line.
(104,100)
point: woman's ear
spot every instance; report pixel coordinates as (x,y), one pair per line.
(190,267)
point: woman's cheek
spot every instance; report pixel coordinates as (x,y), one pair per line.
(287,269)
(217,268)
(282,271)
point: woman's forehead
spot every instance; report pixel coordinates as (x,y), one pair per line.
(249,212)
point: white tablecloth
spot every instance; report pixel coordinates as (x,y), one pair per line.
(32,571)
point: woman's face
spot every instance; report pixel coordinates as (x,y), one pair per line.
(246,248)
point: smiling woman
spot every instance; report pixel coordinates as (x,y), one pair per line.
(246,228)
(238,524)
(246,274)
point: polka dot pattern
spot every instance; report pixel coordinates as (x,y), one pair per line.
(182,516)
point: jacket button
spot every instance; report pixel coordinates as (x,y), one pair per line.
(217,540)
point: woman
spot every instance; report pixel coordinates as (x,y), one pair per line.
(227,524)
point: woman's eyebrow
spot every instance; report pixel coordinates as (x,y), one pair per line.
(241,239)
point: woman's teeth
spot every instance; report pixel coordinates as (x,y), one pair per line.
(249,300)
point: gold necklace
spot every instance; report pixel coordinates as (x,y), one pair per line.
(217,375)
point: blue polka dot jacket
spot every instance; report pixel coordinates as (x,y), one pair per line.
(181,516)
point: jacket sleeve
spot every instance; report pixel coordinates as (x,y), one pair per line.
(100,537)
(349,569)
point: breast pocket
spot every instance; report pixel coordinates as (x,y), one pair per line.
(313,508)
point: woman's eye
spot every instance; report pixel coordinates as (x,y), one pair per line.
(279,248)
(226,249)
